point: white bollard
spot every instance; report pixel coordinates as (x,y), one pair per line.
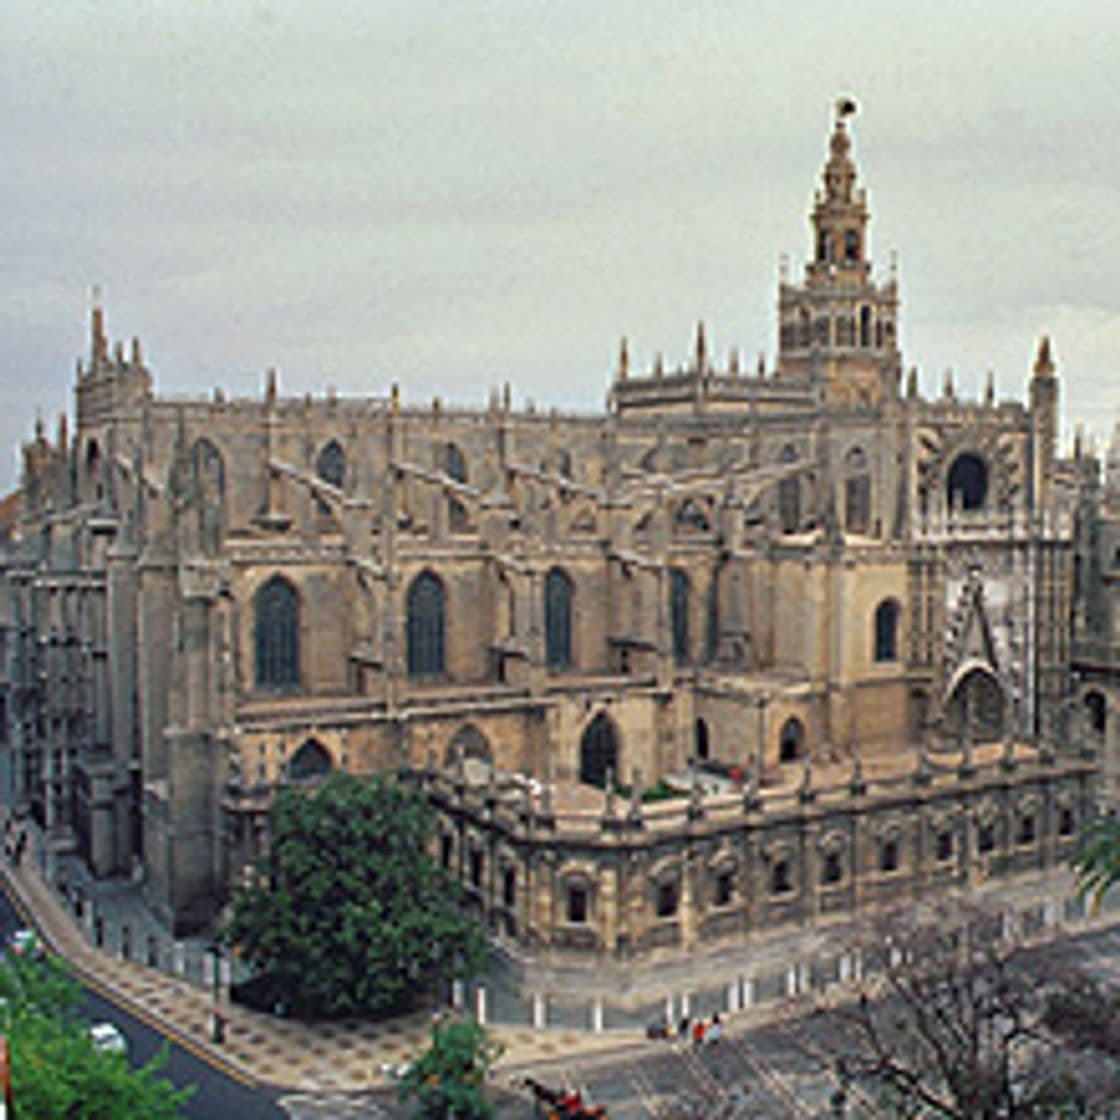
(208,971)
(804,977)
(540,1012)
(597,1015)
(733,997)
(480,1005)
(179,958)
(457,996)
(844,968)
(791,981)
(748,991)
(686,1006)
(669,1017)
(225,976)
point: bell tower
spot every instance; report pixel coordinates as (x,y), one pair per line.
(839,326)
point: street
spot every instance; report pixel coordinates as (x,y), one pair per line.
(217,1095)
(761,1072)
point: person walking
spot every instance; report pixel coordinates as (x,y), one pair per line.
(715,1031)
(698,1031)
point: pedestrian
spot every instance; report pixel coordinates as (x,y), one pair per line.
(715,1031)
(682,1027)
(698,1031)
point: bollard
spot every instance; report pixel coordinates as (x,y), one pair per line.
(597,1015)
(748,991)
(480,1004)
(540,1012)
(733,996)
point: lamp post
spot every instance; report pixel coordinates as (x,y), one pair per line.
(217,1019)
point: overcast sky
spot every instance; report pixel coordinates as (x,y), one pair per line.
(456,195)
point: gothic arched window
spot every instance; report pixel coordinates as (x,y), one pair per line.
(886,630)
(558,594)
(209,485)
(330,466)
(598,751)
(310,762)
(789,494)
(851,245)
(678,614)
(455,466)
(857,492)
(425,610)
(865,327)
(276,634)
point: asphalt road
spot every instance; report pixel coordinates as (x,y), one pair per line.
(217,1096)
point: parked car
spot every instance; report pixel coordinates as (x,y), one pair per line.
(107,1038)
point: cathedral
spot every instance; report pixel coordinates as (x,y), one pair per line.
(752,647)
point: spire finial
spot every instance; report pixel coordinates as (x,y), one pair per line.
(845,107)
(701,348)
(990,388)
(623,359)
(99,344)
(1044,361)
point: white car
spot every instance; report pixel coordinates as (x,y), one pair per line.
(107,1038)
(25,942)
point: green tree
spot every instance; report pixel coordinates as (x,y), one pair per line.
(1097,863)
(349,914)
(448,1081)
(57,1073)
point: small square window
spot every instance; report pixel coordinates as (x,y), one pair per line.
(888,856)
(944,845)
(1065,822)
(666,899)
(1026,829)
(577,905)
(987,838)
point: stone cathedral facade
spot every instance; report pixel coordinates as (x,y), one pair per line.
(749,647)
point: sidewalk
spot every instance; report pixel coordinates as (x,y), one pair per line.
(260,1048)
(336,1057)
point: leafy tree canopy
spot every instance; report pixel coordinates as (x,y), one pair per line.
(349,914)
(57,1073)
(448,1081)
(1097,864)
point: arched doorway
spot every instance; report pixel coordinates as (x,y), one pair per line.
(976,705)
(598,751)
(791,742)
